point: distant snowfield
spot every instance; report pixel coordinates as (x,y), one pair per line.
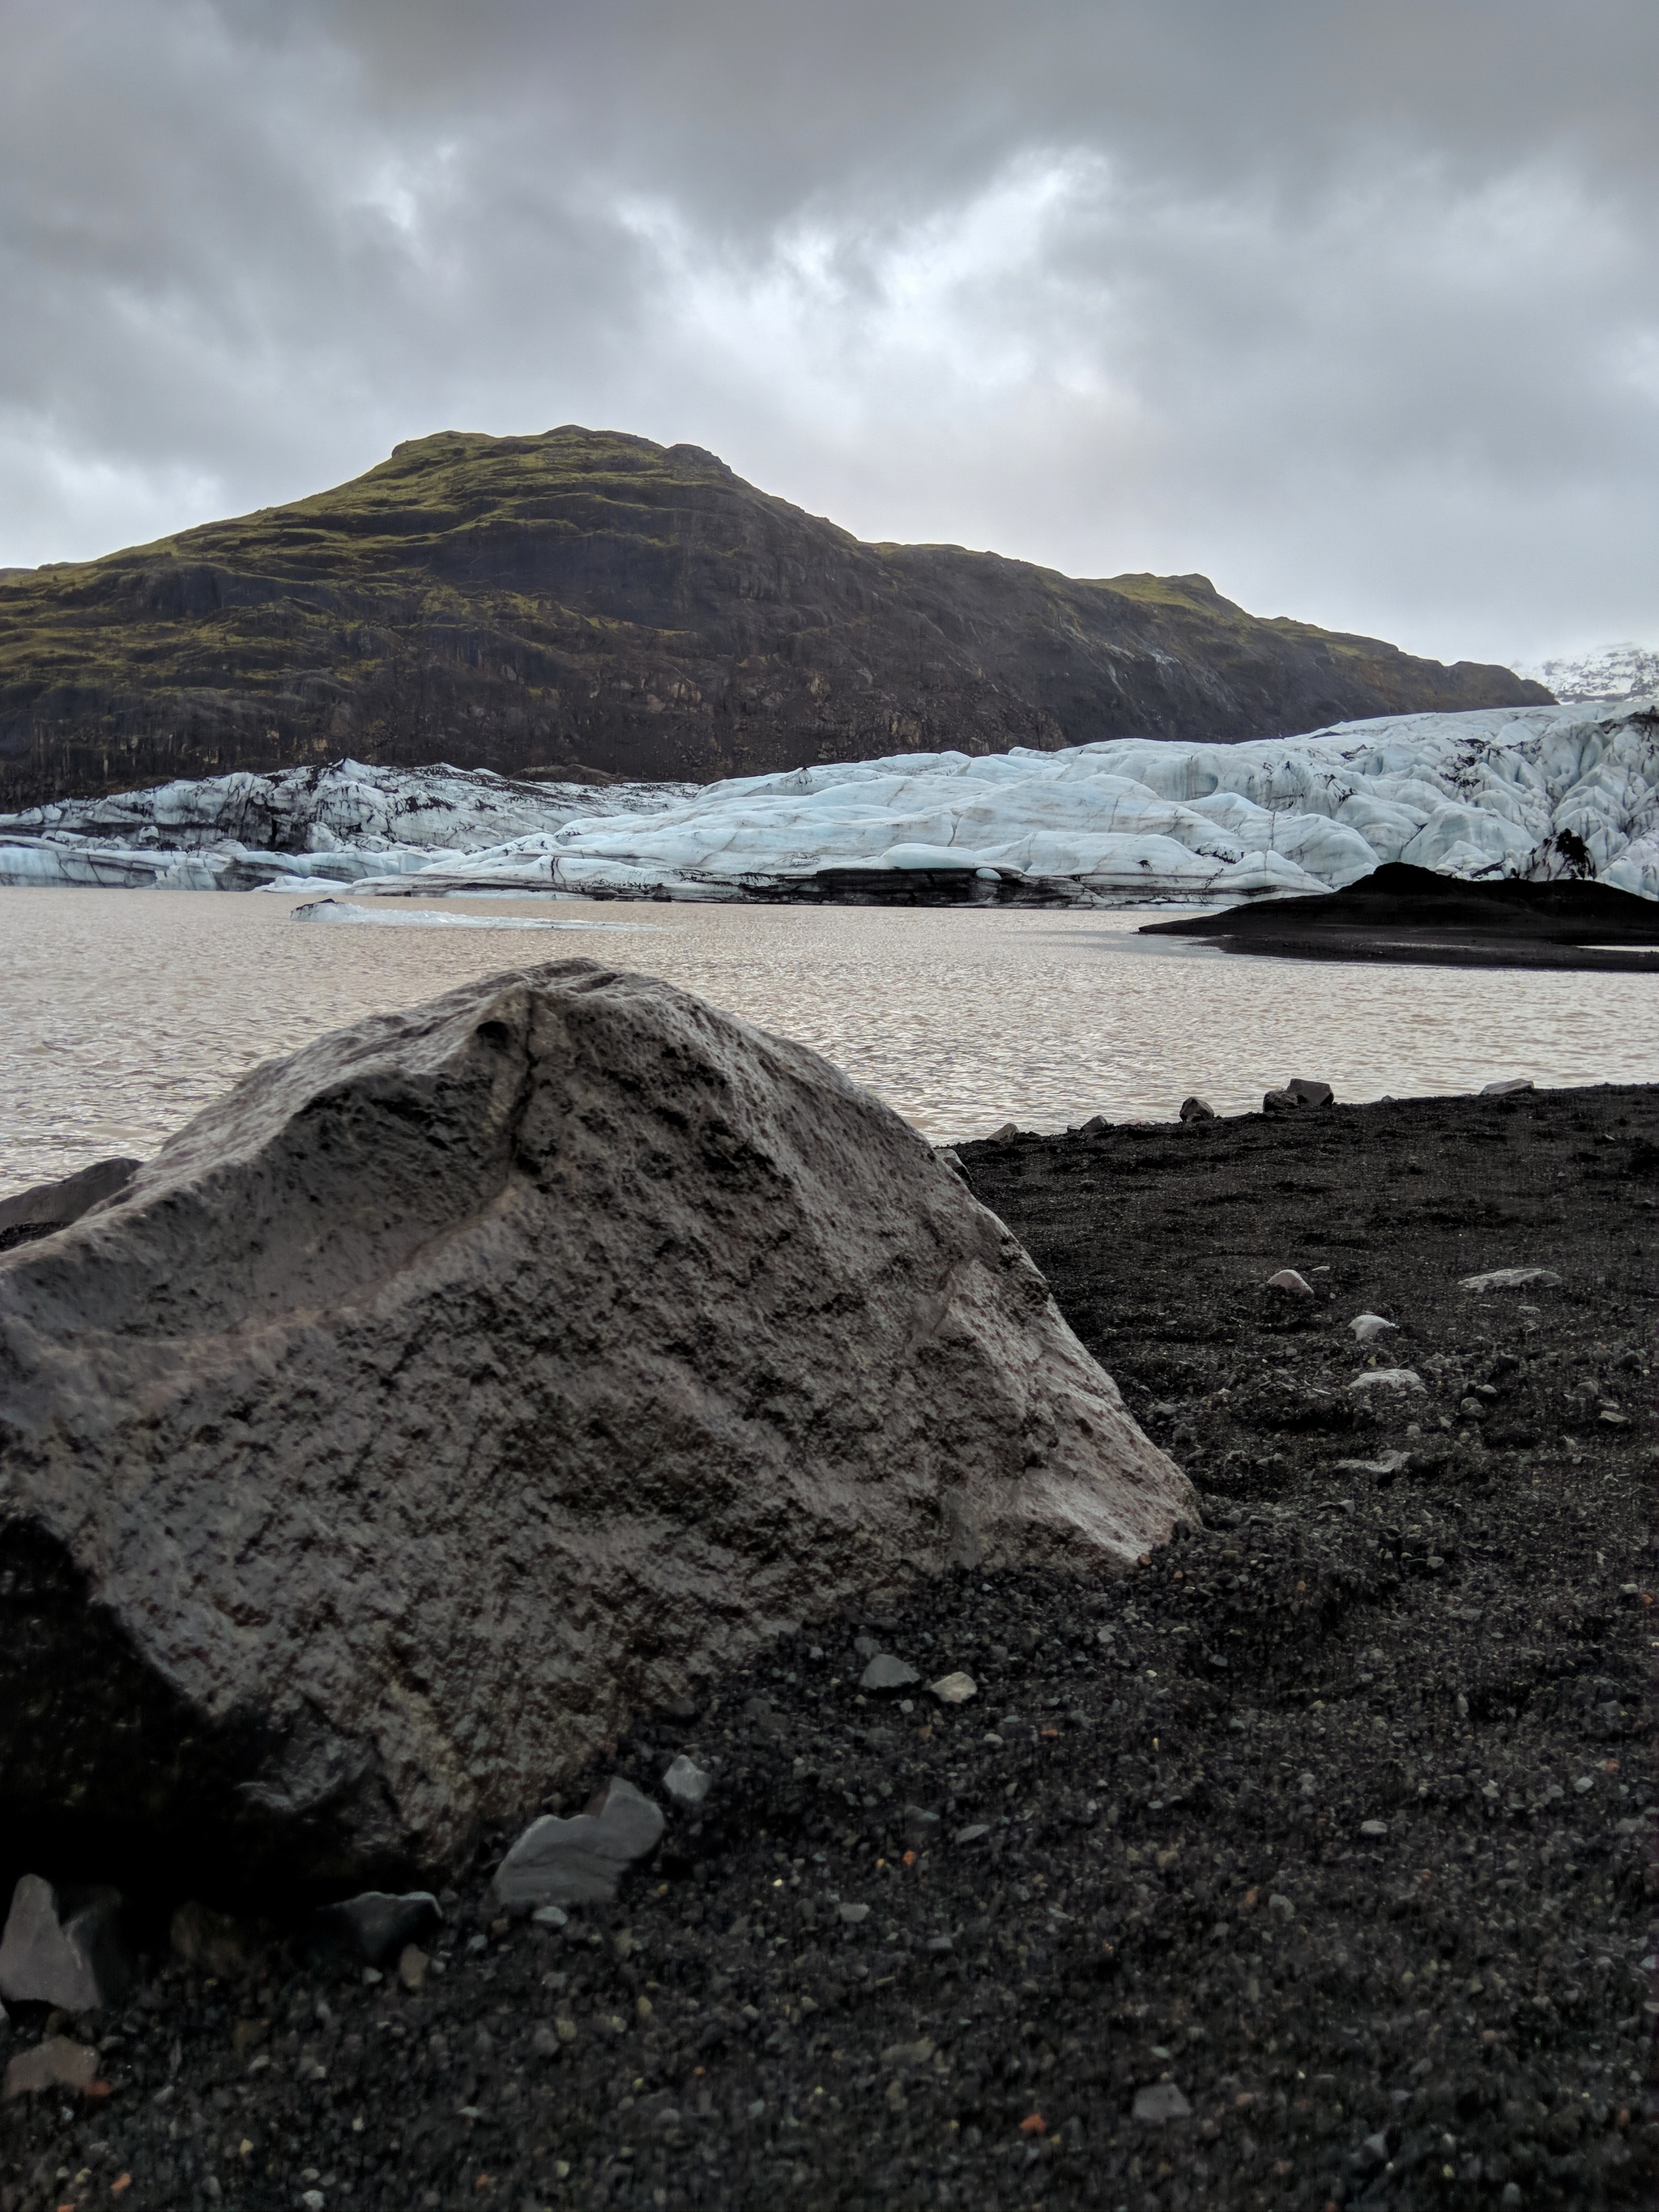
(1617,673)
(1539,792)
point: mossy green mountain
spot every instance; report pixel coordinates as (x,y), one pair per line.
(526,603)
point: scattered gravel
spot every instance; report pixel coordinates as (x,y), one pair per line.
(1308,1863)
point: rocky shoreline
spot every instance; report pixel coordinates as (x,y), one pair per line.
(1308,1862)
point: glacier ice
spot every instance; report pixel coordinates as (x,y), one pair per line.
(1537,791)
(333,824)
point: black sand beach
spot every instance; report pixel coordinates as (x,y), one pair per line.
(1309,1863)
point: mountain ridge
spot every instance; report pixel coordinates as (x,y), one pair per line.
(592,599)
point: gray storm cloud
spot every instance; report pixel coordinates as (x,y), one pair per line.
(1352,307)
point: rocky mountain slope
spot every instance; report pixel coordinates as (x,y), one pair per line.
(586,597)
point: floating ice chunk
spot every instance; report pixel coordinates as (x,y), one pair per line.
(1512,1279)
(343,910)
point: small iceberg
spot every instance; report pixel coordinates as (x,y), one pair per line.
(330,909)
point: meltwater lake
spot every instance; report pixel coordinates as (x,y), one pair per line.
(127,1011)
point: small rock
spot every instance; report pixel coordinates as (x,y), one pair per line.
(920,1827)
(1505,1087)
(550,1916)
(64,1952)
(1613,1417)
(686,1783)
(1281,1102)
(1309,1093)
(57,2063)
(1365,1326)
(938,1943)
(1197,1109)
(1288,1280)
(1373,1827)
(1004,1135)
(852,1914)
(1388,1378)
(908,2054)
(214,1943)
(954,1689)
(1282,1906)
(412,1963)
(545,2042)
(1394,1463)
(1511,1279)
(865,1647)
(886,1673)
(1161,2101)
(376,1925)
(580,1861)
(972,1833)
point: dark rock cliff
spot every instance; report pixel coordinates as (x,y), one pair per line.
(522,604)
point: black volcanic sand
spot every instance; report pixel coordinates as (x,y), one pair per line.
(1173,1880)
(1399,913)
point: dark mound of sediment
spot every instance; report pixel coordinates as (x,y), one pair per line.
(1405,914)
(1325,1836)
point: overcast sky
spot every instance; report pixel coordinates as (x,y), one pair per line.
(1352,305)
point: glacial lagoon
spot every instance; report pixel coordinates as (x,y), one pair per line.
(128,1010)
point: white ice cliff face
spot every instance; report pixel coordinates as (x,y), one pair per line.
(335,824)
(1537,791)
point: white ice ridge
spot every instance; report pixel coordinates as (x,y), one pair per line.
(1538,792)
(1541,792)
(333,824)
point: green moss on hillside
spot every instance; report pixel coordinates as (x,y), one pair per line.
(518,601)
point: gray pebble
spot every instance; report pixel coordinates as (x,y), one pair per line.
(686,1783)
(1161,2101)
(63,1951)
(580,1861)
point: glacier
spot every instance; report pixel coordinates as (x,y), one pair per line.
(335,823)
(1538,792)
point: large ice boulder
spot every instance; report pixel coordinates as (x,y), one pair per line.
(479,1376)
